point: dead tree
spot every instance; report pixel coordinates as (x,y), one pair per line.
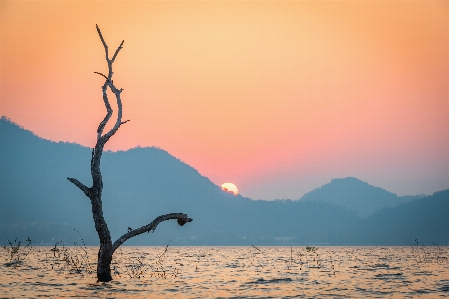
(107,248)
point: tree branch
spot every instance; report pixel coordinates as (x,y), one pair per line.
(104,43)
(116,51)
(119,113)
(102,75)
(80,185)
(182,219)
(109,83)
(108,109)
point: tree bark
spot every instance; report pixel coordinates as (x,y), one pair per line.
(107,248)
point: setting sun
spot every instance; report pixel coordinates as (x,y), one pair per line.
(230,187)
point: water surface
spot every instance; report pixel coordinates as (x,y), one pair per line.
(230,272)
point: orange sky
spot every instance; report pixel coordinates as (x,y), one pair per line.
(276,97)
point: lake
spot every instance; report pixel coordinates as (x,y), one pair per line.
(229,272)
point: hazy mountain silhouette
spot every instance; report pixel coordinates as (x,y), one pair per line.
(357,195)
(425,219)
(37,200)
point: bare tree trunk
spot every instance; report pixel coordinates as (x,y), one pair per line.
(107,248)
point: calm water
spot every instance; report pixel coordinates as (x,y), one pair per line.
(230,272)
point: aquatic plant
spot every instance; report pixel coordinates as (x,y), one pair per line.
(258,257)
(310,249)
(78,260)
(138,268)
(73,259)
(290,262)
(297,259)
(428,254)
(16,252)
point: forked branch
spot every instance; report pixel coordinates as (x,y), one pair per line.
(102,139)
(182,219)
(109,83)
(109,61)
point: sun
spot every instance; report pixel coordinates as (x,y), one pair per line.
(230,187)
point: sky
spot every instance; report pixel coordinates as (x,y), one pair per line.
(275,97)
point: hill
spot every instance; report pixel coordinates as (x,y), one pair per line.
(357,195)
(424,219)
(37,200)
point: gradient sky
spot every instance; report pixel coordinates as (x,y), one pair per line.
(276,97)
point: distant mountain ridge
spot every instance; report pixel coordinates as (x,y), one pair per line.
(36,200)
(357,195)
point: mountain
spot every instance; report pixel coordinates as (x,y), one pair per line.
(37,201)
(357,195)
(139,185)
(425,219)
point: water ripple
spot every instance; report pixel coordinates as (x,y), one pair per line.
(233,272)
